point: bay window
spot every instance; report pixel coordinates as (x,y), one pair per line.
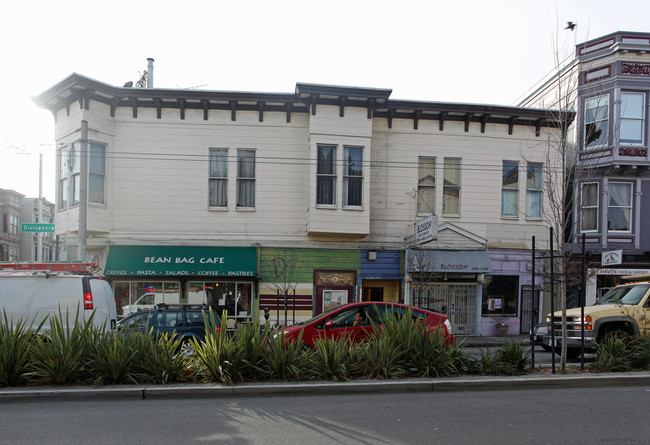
(353,177)
(589,207)
(632,123)
(620,207)
(596,121)
(326,175)
(96,173)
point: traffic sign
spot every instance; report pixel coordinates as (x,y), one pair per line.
(28,227)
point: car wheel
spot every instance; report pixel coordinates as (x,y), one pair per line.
(186,348)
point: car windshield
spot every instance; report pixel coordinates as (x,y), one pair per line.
(614,295)
(635,294)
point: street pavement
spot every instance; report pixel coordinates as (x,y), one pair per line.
(443,384)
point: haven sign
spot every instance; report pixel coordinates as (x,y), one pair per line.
(426,230)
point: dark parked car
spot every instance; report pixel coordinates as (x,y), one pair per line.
(186,321)
(340,321)
(539,331)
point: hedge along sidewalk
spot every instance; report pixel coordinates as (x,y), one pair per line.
(205,390)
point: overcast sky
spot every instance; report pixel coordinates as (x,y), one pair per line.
(473,51)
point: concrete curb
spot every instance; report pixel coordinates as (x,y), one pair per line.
(447,384)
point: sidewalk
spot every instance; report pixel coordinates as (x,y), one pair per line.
(491,342)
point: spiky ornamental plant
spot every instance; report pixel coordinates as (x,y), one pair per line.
(16,340)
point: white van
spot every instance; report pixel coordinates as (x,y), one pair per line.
(32,296)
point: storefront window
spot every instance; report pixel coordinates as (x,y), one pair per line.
(234,298)
(136,295)
(500,295)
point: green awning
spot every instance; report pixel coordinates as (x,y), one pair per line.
(181,261)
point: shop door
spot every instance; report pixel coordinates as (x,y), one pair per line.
(456,301)
(527,306)
(373,294)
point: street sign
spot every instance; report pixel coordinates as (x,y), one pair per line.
(28,227)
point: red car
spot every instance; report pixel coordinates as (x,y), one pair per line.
(340,321)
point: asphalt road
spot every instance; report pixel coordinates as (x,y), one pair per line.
(549,416)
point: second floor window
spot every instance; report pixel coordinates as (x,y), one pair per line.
(96,173)
(596,121)
(353,177)
(218,182)
(589,207)
(632,117)
(509,188)
(619,212)
(245,178)
(534,190)
(69,172)
(451,187)
(426,185)
(326,175)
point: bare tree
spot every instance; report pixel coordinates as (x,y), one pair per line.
(282,270)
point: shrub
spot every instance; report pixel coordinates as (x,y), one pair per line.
(514,358)
(16,341)
(337,360)
(60,356)
(283,360)
(114,358)
(613,355)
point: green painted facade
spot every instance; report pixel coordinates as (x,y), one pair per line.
(301,263)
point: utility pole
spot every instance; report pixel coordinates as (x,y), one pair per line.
(83,191)
(39,235)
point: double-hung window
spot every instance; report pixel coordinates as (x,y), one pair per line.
(589,207)
(632,118)
(596,121)
(534,190)
(69,159)
(510,189)
(326,175)
(64,177)
(451,187)
(245,178)
(75,160)
(218,180)
(619,212)
(96,173)
(426,185)
(353,177)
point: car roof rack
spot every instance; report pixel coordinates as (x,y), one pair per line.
(180,306)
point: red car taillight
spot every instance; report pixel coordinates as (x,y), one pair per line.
(88,300)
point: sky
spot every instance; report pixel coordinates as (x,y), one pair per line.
(471,51)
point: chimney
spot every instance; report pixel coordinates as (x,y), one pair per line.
(149,72)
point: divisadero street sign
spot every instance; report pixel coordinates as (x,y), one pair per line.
(28,227)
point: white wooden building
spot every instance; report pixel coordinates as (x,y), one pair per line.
(336,175)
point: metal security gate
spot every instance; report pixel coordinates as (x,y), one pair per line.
(526,308)
(457,301)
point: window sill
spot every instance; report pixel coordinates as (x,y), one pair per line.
(451,216)
(245,209)
(509,218)
(534,218)
(326,206)
(218,209)
(353,208)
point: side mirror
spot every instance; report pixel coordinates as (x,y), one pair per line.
(329,324)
